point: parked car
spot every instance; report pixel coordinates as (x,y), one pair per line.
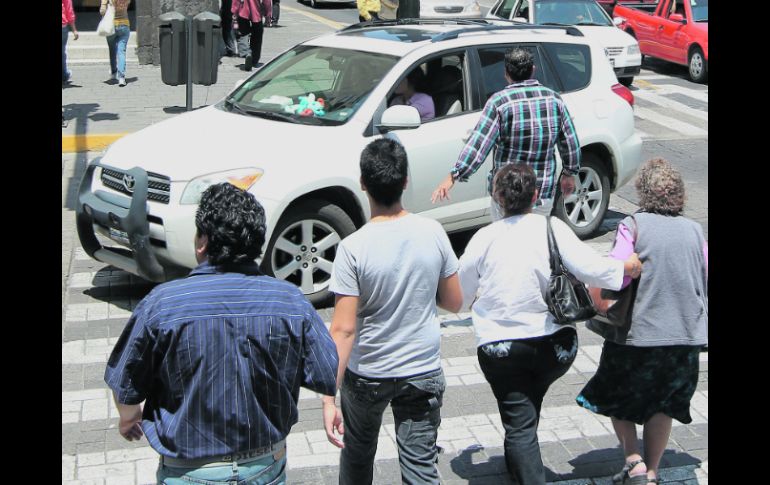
(621,48)
(672,30)
(449,8)
(142,193)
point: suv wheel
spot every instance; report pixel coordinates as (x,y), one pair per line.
(626,81)
(304,245)
(584,209)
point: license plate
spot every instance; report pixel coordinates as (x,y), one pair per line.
(119,236)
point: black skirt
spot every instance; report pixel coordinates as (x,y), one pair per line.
(635,383)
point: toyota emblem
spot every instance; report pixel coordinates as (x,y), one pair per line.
(129,182)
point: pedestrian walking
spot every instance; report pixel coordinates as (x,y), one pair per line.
(118,42)
(228,36)
(521,349)
(218,357)
(648,370)
(67,24)
(249,17)
(386,278)
(368,10)
(525,123)
(276,13)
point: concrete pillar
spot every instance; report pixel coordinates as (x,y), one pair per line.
(147,13)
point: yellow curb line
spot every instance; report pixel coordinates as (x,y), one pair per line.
(644,84)
(318,18)
(88,143)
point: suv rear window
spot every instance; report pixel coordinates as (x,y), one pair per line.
(572,62)
(493,68)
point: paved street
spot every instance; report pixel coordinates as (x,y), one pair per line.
(579,448)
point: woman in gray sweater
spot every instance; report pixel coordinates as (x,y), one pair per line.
(648,371)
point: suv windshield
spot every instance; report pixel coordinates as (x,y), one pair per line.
(700,10)
(571,12)
(311,85)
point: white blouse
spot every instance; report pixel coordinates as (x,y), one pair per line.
(505,271)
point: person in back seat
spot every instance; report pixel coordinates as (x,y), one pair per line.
(410,92)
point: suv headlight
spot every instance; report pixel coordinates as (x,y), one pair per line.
(634,50)
(242,178)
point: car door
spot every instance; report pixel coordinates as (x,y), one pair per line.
(646,31)
(433,149)
(504,8)
(671,38)
(491,73)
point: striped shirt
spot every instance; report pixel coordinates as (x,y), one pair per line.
(524,123)
(219,357)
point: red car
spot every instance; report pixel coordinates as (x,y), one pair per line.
(609,5)
(673,30)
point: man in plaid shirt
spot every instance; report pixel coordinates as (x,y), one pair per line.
(524,122)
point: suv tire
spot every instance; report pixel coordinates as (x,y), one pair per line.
(317,226)
(592,195)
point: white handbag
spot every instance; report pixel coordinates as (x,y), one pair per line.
(107,24)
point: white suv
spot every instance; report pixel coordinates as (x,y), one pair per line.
(303,168)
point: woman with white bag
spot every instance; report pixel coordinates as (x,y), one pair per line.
(117,40)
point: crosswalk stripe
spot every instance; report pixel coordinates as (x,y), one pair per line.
(671,124)
(698,94)
(658,99)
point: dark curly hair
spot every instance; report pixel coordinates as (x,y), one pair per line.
(514,187)
(234,223)
(383,170)
(660,188)
(519,64)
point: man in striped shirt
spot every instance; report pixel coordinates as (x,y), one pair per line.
(218,357)
(525,123)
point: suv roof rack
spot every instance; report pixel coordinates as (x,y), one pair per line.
(411,21)
(452,34)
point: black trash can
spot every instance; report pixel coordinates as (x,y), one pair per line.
(208,33)
(173,48)
(408,9)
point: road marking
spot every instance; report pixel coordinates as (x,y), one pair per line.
(699,94)
(670,123)
(318,18)
(88,143)
(644,84)
(671,104)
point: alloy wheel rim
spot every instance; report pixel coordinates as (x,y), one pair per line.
(303,254)
(583,205)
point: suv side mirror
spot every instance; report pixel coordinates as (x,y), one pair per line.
(520,19)
(399,117)
(677,17)
(617,21)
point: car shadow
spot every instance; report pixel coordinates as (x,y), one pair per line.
(117,287)
(665,68)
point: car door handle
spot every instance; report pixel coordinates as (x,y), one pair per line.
(467,136)
(660,27)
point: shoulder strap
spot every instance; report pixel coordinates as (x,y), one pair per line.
(553,249)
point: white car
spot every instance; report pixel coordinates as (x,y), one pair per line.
(449,9)
(143,192)
(621,48)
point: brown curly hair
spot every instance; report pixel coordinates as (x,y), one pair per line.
(514,187)
(660,188)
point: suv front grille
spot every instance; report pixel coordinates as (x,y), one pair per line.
(448,9)
(158,190)
(614,51)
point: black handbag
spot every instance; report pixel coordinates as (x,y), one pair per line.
(616,307)
(567,297)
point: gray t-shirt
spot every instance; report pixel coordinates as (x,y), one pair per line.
(394,268)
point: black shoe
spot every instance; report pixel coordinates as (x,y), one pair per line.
(248,65)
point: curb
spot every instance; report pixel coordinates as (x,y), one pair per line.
(88,143)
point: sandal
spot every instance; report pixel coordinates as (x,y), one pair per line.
(625,479)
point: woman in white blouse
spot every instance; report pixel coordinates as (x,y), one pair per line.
(521,349)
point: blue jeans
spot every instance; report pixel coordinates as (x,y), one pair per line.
(265,471)
(65,73)
(118,43)
(416,404)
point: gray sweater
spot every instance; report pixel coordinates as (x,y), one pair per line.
(671,306)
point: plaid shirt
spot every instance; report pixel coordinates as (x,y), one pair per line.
(524,123)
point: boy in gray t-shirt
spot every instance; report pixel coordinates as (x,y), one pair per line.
(386,278)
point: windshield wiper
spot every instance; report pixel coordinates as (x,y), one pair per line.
(233,104)
(274,116)
(554,23)
(592,23)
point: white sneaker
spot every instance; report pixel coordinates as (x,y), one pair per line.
(121,81)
